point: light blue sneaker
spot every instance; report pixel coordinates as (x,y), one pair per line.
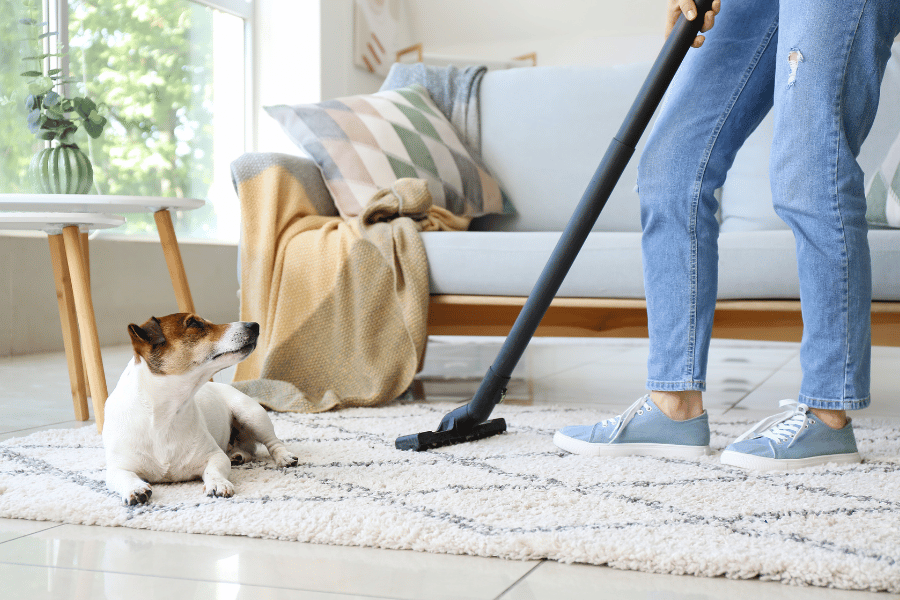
(792,440)
(642,430)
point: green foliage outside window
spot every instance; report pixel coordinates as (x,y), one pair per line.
(150,63)
(18,143)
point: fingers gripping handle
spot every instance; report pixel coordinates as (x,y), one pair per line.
(695,25)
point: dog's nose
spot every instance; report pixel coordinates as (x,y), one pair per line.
(253,327)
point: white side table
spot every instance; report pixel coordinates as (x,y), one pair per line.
(73,294)
(91,203)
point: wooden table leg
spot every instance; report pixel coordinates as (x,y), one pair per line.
(68,320)
(86,253)
(87,324)
(173,260)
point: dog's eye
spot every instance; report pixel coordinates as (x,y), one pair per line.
(192,322)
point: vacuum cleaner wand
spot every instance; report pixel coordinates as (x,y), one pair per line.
(469,422)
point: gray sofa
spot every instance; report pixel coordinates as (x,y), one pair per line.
(543,132)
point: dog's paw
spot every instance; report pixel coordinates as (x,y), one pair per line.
(239,457)
(138,496)
(221,488)
(283,458)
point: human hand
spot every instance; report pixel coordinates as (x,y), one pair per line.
(675,8)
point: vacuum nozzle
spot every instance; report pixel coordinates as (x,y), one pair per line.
(435,439)
(465,423)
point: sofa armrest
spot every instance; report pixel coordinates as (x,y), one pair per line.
(302,168)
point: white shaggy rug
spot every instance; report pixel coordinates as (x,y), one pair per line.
(514,496)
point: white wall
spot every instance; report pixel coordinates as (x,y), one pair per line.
(129,284)
(339,75)
(297,63)
(562,32)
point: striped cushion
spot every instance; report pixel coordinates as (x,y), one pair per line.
(364,144)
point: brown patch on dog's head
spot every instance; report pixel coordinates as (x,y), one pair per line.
(176,343)
(145,338)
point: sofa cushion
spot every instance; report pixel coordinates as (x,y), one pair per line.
(746,196)
(495,263)
(364,144)
(544,131)
(609,264)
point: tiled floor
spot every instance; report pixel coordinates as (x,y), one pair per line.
(48,560)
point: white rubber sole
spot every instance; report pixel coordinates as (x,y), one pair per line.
(761,463)
(661,450)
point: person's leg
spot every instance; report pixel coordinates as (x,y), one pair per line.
(828,76)
(721,93)
(830,62)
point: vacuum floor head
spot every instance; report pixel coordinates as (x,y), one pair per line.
(435,439)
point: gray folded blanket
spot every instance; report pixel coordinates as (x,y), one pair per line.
(454,91)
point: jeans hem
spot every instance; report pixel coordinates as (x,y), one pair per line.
(849,404)
(676,386)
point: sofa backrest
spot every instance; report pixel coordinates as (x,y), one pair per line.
(743,205)
(544,130)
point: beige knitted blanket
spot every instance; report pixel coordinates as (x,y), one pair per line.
(342,305)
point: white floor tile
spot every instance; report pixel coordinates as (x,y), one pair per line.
(725,354)
(552,581)
(238,560)
(880,407)
(783,384)
(35,391)
(40,583)
(551,360)
(35,388)
(11,529)
(449,358)
(605,382)
(885,382)
(742,413)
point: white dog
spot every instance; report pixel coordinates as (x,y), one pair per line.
(166,421)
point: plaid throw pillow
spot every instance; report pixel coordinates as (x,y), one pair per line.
(364,144)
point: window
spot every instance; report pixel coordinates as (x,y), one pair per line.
(170,76)
(18,144)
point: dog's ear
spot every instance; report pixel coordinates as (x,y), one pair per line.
(149,333)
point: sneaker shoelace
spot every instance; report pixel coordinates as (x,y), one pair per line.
(641,405)
(782,426)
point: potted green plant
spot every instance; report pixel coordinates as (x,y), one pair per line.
(62,168)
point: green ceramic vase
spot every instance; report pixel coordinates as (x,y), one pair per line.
(63,169)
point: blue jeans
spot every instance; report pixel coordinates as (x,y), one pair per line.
(819,63)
